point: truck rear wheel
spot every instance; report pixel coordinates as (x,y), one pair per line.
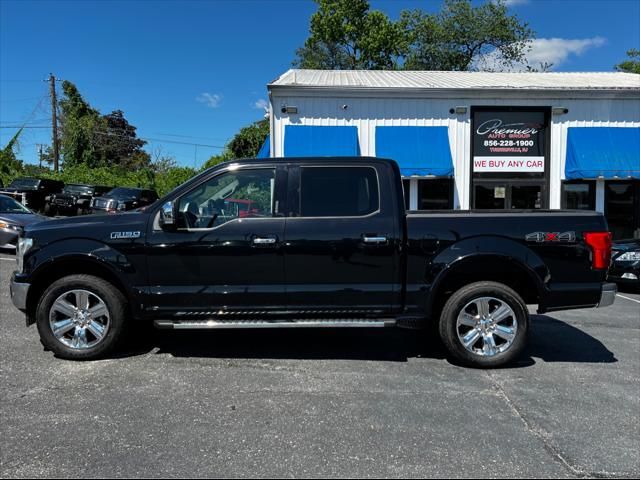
(81,317)
(484,325)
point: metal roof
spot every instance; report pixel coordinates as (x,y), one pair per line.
(436,80)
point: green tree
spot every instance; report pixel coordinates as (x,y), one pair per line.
(92,139)
(461,35)
(346,35)
(632,64)
(79,122)
(10,165)
(247,142)
(117,143)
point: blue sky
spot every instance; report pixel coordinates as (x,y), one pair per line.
(196,71)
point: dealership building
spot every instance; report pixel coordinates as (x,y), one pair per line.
(475,140)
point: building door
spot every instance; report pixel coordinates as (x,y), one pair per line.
(622,208)
(510,157)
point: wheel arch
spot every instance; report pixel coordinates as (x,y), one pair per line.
(488,259)
(61,267)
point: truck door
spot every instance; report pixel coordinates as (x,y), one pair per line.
(221,259)
(341,240)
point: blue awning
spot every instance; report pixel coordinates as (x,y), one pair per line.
(421,151)
(312,141)
(603,152)
(265,148)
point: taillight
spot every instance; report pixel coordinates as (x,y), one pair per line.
(600,244)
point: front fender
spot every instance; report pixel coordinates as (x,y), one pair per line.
(79,249)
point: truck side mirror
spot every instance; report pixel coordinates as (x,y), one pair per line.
(167,218)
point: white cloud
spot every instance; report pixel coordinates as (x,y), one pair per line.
(558,50)
(261,104)
(513,3)
(554,51)
(210,100)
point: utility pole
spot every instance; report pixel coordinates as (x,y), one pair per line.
(40,146)
(54,122)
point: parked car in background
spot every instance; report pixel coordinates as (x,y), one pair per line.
(75,199)
(625,265)
(13,218)
(122,199)
(35,191)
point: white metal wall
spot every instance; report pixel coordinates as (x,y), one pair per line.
(366,113)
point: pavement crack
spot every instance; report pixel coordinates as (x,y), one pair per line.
(541,435)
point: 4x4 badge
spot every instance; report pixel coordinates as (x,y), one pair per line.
(541,237)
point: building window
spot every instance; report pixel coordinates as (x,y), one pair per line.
(622,208)
(435,194)
(406,187)
(580,195)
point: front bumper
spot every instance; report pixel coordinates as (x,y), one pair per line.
(608,295)
(19,292)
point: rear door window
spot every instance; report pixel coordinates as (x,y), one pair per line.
(338,191)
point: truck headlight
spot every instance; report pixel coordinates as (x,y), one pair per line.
(629,257)
(24,244)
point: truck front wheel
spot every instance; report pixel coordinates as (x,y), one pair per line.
(484,325)
(81,317)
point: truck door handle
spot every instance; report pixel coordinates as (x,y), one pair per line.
(374,240)
(264,240)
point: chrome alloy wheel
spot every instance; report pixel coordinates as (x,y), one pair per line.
(79,319)
(487,326)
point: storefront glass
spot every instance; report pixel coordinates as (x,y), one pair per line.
(622,208)
(510,157)
(580,195)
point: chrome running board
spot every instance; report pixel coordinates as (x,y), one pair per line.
(289,323)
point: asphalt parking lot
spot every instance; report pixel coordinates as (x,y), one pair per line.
(383,403)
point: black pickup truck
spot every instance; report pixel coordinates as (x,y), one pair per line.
(33,190)
(308,243)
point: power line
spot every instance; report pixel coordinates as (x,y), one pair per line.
(25,126)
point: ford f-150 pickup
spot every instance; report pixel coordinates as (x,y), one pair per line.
(326,243)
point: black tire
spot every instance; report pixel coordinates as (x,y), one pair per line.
(450,331)
(116,304)
(80,211)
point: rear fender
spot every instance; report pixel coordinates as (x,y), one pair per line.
(461,257)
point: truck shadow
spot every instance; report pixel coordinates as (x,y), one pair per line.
(551,340)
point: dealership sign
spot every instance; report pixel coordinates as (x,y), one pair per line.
(508,164)
(509,141)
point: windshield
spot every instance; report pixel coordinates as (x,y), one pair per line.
(78,189)
(25,183)
(124,193)
(9,205)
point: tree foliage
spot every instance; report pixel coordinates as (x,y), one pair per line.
(92,139)
(347,35)
(245,144)
(461,34)
(10,166)
(632,64)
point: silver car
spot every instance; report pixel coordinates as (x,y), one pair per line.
(13,218)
